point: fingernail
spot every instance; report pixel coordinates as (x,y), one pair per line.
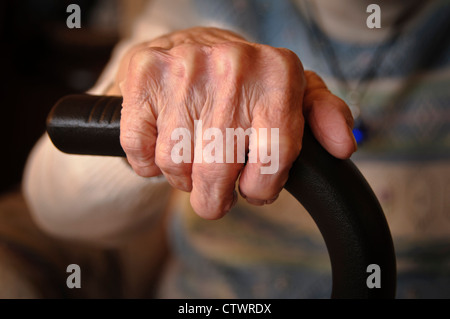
(256,202)
(270,201)
(242,194)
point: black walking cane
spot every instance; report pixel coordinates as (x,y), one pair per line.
(333,191)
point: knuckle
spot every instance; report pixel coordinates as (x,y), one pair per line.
(145,64)
(287,58)
(139,58)
(186,61)
(233,49)
(206,178)
(140,168)
(143,80)
(186,48)
(136,139)
(282,61)
(130,53)
(139,158)
(203,173)
(133,145)
(230,58)
(162,158)
(215,181)
(130,143)
(164,161)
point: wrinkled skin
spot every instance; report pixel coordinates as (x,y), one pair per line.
(220,78)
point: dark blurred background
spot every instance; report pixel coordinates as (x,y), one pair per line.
(42,60)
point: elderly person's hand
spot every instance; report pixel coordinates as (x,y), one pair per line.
(217,77)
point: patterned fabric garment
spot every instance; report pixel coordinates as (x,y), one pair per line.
(275,251)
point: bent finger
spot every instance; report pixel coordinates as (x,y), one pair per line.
(329,117)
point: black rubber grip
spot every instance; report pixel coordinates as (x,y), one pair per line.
(86,124)
(333,191)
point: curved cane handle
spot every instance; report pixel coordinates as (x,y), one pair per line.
(333,191)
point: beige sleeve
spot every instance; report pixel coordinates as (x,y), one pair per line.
(98,198)
(90,198)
